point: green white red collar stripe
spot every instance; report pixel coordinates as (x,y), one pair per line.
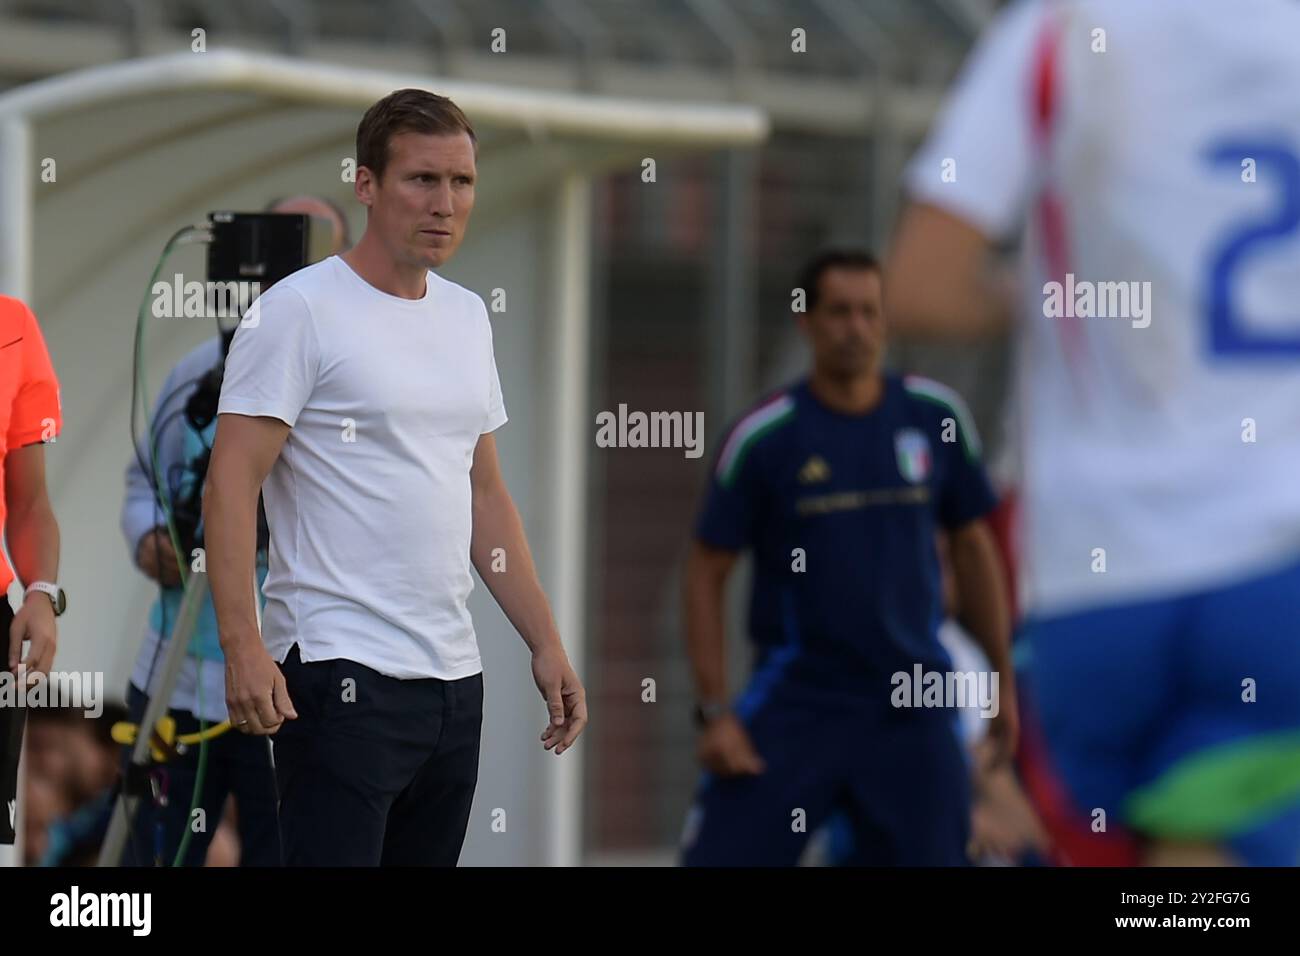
(747,430)
(942,395)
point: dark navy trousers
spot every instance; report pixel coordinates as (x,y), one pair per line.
(375,770)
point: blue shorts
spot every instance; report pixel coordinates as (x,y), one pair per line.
(1180,718)
(891,785)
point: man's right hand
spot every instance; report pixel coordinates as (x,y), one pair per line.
(726,750)
(257,697)
(156,556)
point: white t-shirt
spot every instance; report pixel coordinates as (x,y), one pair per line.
(369,503)
(1150,142)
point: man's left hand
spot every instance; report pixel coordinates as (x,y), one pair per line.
(566,700)
(34,622)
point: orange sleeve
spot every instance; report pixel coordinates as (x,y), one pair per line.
(37,414)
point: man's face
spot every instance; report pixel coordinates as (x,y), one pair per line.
(421,207)
(846,329)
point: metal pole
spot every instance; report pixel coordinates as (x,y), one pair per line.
(16,200)
(160,694)
(568,551)
(15,280)
(732,342)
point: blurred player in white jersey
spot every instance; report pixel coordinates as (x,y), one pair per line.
(1149,156)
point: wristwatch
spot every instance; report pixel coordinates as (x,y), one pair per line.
(706,712)
(55,593)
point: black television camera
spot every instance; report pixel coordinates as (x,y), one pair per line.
(245,247)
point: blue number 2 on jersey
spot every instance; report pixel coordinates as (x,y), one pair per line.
(1228,336)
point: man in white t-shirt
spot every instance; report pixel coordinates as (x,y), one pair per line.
(360,395)
(1151,154)
(180,432)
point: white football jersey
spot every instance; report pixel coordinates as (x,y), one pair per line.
(1151,150)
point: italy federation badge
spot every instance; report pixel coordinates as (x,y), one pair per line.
(913,451)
